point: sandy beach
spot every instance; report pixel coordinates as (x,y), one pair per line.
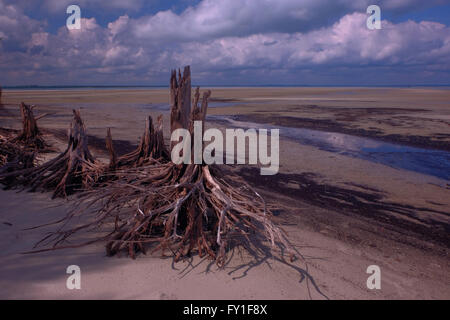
(345,206)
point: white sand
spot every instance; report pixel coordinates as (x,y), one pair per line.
(337,267)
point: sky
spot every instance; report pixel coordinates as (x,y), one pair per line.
(226,42)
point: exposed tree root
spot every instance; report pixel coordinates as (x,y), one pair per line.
(181,209)
(177,209)
(73,169)
(13,157)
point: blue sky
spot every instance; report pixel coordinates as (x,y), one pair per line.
(227,42)
(436,13)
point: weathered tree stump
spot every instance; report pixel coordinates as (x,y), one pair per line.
(151,147)
(30,136)
(180,209)
(18,150)
(73,169)
(112,154)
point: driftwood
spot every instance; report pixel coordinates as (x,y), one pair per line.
(73,169)
(180,209)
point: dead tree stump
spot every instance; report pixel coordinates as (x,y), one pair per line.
(180,100)
(18,150)
(30,136)
(181,209)
(110,147)
(151,147)
(73,169)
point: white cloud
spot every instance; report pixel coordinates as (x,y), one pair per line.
(212,19)
(347,42)
(16,28)
(230,38)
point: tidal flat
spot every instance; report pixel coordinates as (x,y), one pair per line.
(364,182)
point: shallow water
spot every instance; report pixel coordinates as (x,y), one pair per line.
(430,162)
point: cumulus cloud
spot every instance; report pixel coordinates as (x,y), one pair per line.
(346,43)
(16,28)
(222,18)
(235,40)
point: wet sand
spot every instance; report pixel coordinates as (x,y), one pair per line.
(343,213)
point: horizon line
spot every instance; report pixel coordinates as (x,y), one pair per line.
(226,86)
